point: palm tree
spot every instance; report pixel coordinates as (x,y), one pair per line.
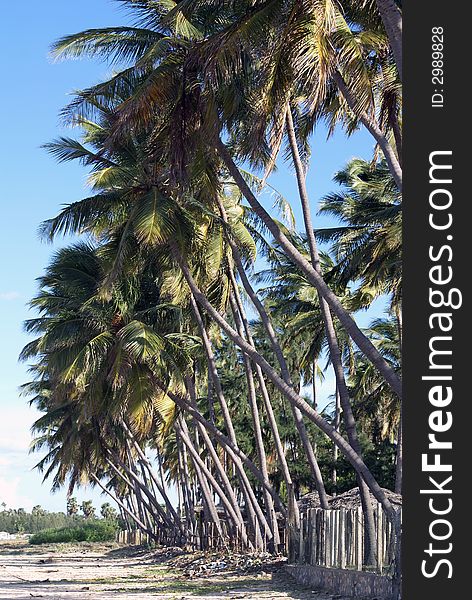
(94,354)
(367,244)
(72,506)
(152,75)
(158,180)
(149,222)
(377,409)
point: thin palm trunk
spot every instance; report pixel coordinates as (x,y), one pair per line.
(233,451)
(255,513)
(265,395)
(256,421)
(158,512)
(154,477)
(123,506)
(146,482)
(333,344)
(273,424)
(297,416)
(238,518)
(372,126)
(392,20)
(142,510)
(337,423)
(362,341)
(290,393)
(232,514)
(186,486)
(203,474)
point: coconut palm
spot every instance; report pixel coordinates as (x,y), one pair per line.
(150,221)
(159,95)
(367,244)
(160,207)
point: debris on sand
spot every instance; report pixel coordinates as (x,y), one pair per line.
(206,564)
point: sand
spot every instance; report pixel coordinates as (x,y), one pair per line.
(84,572)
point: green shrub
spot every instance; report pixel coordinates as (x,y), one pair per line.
(91,531)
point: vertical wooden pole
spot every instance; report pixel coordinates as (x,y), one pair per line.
(379,538)
(342,538)
(360,530)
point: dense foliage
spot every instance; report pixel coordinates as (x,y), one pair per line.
(90,531)
(188,321)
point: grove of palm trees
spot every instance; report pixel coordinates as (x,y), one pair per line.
(182,338)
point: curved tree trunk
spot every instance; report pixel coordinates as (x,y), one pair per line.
(155,479)
(370,123)
(255,513)
(203,474)
(337,423)
(238,518)
(186,486)
(392,20)
(158,513)
(362,341)
(121,504)
(333,344)
(256,421)
(352,456)
(297,416)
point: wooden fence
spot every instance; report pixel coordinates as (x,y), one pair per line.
(132,538)
(335,538)
(325,538)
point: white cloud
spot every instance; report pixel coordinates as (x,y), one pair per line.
(11,496)
(6,296)
(15,427)
(15,463)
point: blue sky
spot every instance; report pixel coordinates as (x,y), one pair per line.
(33,187)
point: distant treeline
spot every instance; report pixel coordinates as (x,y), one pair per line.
(20,521)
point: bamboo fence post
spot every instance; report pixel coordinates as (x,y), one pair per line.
(359,531)
(342,535)
(379,538)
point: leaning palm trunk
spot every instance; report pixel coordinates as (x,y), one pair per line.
(158,513)
(268,502)
(265,396)
(203,474)
(333,344)
(237,517)
(372,126)
(362,341)
(255,513)
(337,422)
(392,20)
(148,485)
(297,416)
(234,516)
(123,506)
(144,509)
(189,508)
(351,455)
(155,479)
(233,451)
